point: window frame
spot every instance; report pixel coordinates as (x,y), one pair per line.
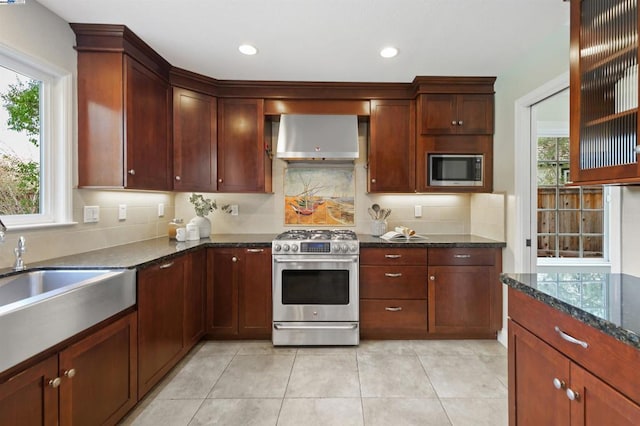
(55,141)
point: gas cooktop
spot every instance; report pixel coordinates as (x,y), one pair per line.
(316,241)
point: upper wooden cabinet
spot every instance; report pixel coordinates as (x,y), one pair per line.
(604,92)
(244,139)
(194,141)
(456,114)
(123,110)
(392,146)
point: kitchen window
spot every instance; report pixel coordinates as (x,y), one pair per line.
(35,154)
(571,220)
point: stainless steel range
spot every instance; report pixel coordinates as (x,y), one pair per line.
(315,288)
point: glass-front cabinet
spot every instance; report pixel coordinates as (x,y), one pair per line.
(604,91)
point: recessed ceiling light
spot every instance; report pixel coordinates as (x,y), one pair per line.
(389,52)
(247,49)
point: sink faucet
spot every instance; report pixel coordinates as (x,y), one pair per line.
(3,229)
(19,251)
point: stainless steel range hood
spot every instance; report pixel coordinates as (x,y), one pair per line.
(318,137)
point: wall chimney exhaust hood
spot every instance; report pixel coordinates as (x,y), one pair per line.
(318,137)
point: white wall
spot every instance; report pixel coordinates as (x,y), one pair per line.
(630,232)
(34,30)
(537,66)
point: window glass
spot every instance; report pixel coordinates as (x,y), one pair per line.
(20,142)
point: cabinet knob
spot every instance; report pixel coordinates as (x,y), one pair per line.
(637,149)
(559,384)
(373,180)
(432,277)
(460,123)
(178,178)
(572,395)
(54,383)
(234,259)
(220,180)
(454,122)
(70,373)
(132,172)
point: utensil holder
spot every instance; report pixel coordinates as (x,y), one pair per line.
(378,227)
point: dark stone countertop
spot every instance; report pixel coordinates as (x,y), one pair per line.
(161,249)
(445,240)
(607,302)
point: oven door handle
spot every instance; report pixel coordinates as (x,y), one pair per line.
(315,327)
(315,260)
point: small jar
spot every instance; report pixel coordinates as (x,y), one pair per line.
(173,225)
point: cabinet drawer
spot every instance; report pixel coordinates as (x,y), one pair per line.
(393,256)
(392,282)
(393,315)
(611,360)
(461,256)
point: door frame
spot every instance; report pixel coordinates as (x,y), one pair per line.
(525,258)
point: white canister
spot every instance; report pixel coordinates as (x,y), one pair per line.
(193,232)
(378,227)
(181,234)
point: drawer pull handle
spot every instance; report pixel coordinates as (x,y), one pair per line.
(559,384)
(462,256)
(393,256)
(255,250)
(571,339)
(573,395)
(393,308)
(166,265)
(392,275)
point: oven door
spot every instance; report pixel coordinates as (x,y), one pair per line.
(315,288)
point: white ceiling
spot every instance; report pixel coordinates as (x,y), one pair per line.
(331,40)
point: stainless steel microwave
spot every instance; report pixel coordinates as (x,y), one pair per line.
(456,170)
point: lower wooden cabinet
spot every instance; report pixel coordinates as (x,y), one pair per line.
(556,382)
(170,315)
(91,382)
(547,388)
(239,293)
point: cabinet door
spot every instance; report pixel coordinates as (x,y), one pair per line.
(533,367)
(393,318)
(30,398)
(255,302)
(599,404)
(194,299)
(99,383)
(460,299)
(392,146)
(194,141)
(147,129)
(243,165)
(222,291)
(439,115)
(475,114)
(160,320)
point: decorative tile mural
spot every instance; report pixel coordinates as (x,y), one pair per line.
(319,196)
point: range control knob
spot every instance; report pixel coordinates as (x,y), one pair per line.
(353,248)
(294,248)
(285,247)
(277,247)
(344,248)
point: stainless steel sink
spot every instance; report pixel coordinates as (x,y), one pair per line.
(39,309)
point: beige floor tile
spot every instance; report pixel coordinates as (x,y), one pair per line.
(442,347)
(477,412)
(328,350)
(254,376)
(393,376)
(196,378)
(238,412)
(387,347)
(462,377)
(497,365)
(176,412)
(487,347)
(265,347)
(211,347)
(324,376)
(321,412)
(404,412)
